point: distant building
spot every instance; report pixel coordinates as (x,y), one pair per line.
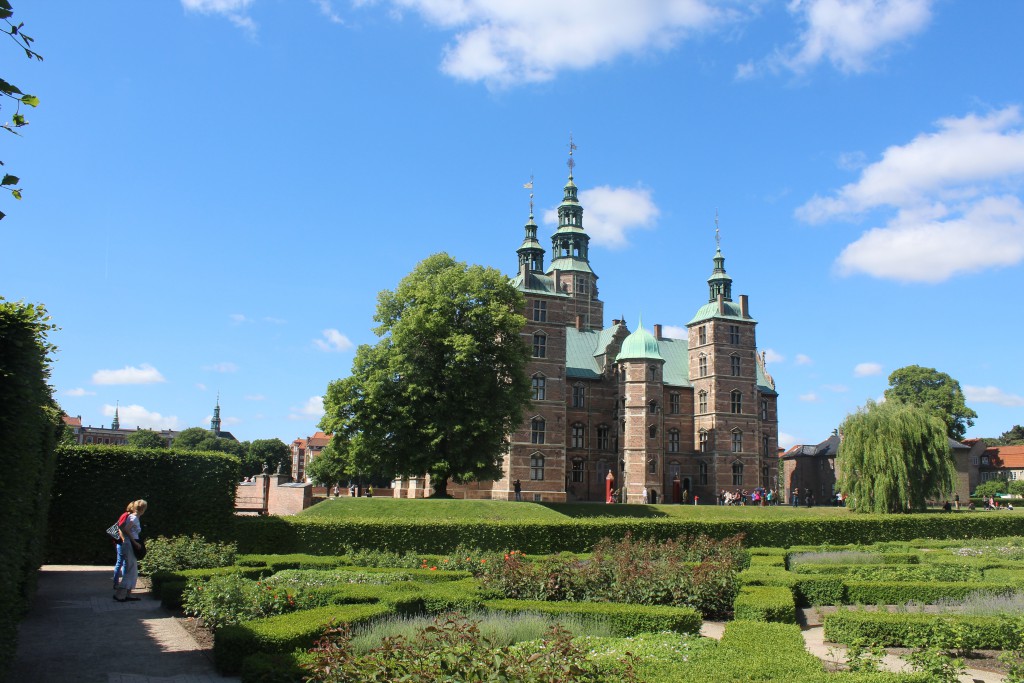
(304,451)
(115,435)
(1001,462)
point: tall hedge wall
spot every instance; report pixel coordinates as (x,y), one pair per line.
(324,537)
(188,492)
(30,426)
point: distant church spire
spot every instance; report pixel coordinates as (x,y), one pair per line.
(116,424)
(215,422)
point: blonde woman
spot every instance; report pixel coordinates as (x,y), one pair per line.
(130,531)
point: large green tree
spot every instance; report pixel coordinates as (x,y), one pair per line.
(1013,437)
(893,456)
(934,391)
(12,92)
(445,385)
(329,467)
(199,439)
(146,438)
(272,453)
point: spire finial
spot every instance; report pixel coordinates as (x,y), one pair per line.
(571,163)
(718,238)
(529,186)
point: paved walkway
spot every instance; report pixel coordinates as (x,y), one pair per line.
(76,632)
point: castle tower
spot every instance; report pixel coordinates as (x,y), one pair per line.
(116,424)
(733,429)
(641,366)
(570,262)
(215,422)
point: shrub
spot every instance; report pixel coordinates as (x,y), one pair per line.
(284,633)
(188,492)
(185,552)
(232,598)
(813,590)
(902,592)
(30,425)
(765,603)
(881,572)
(904,629)
(625,620)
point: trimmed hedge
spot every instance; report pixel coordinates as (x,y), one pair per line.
(625,620)
(30,426)
(188,492)
(285,632)
(765,603)
(902,592)
(890,572)
(903,629)
(813,590)
(325,537)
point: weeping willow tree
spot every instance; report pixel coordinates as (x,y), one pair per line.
(893,457)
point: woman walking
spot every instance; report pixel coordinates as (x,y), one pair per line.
(130,530)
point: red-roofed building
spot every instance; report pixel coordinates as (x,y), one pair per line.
(1001,462)
(304,451)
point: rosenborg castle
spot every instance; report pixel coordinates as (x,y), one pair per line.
(669,418)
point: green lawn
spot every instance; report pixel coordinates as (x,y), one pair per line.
(382,509)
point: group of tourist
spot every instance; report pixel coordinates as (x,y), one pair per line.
(130,550)
(759,496)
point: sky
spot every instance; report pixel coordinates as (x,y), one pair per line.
(216,190)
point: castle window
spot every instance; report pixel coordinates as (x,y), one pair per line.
(674,469)
(577,435)
(537,467)
(766,443)
(737,401)
(652,372)
(538,385)
(652,407)
(582,286)
(737,441)
(734,363)
(702,401)
(577,471)
(703,440)
(737,474)
(765,473)
(540,345)
(537,430)
(764,409)
(602,437)
(540,311)
(673,404)
(652,432)
(652,466)
(673,441)
(734,334)
(702,473)
(702,365)
(578,395)
(702,335)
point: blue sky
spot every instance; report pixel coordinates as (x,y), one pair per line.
(215,190)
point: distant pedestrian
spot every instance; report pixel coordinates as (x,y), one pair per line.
(131,543)
(795,497)
(643,495)
(956,501)
(517,486)
(369,491)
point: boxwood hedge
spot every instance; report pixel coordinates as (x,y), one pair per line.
(625,620)
(765,603)
(904,629)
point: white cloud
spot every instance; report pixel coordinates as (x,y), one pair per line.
(955,198)
(274,321)
(200,386)
(809,397)
(327,9)
(611,211)
(313,408)
(225,421)
(674,332)
(129,374)
(232,10)
(992,395)
(786,441)
(867,369)
(852,161)
(137,416)
(772,356)
(506,42)
(850,33)
(254,397)
(933,246)
(221,367)
(333,341)
(836,388)
(238,318)
(803,359)
(79,392)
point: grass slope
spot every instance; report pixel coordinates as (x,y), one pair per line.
(449,510)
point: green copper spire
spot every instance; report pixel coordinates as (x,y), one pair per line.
(215,422)
(531,254)
(570,243)
(719,282)
(116,424)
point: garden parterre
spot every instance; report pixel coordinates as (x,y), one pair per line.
(269,610)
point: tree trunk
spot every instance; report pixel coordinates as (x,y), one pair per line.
(440,484)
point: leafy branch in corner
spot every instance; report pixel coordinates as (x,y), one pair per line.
(14,31)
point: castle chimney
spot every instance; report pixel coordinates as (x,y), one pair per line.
(657,332)
(579,322)
(721,304)
(743,306)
